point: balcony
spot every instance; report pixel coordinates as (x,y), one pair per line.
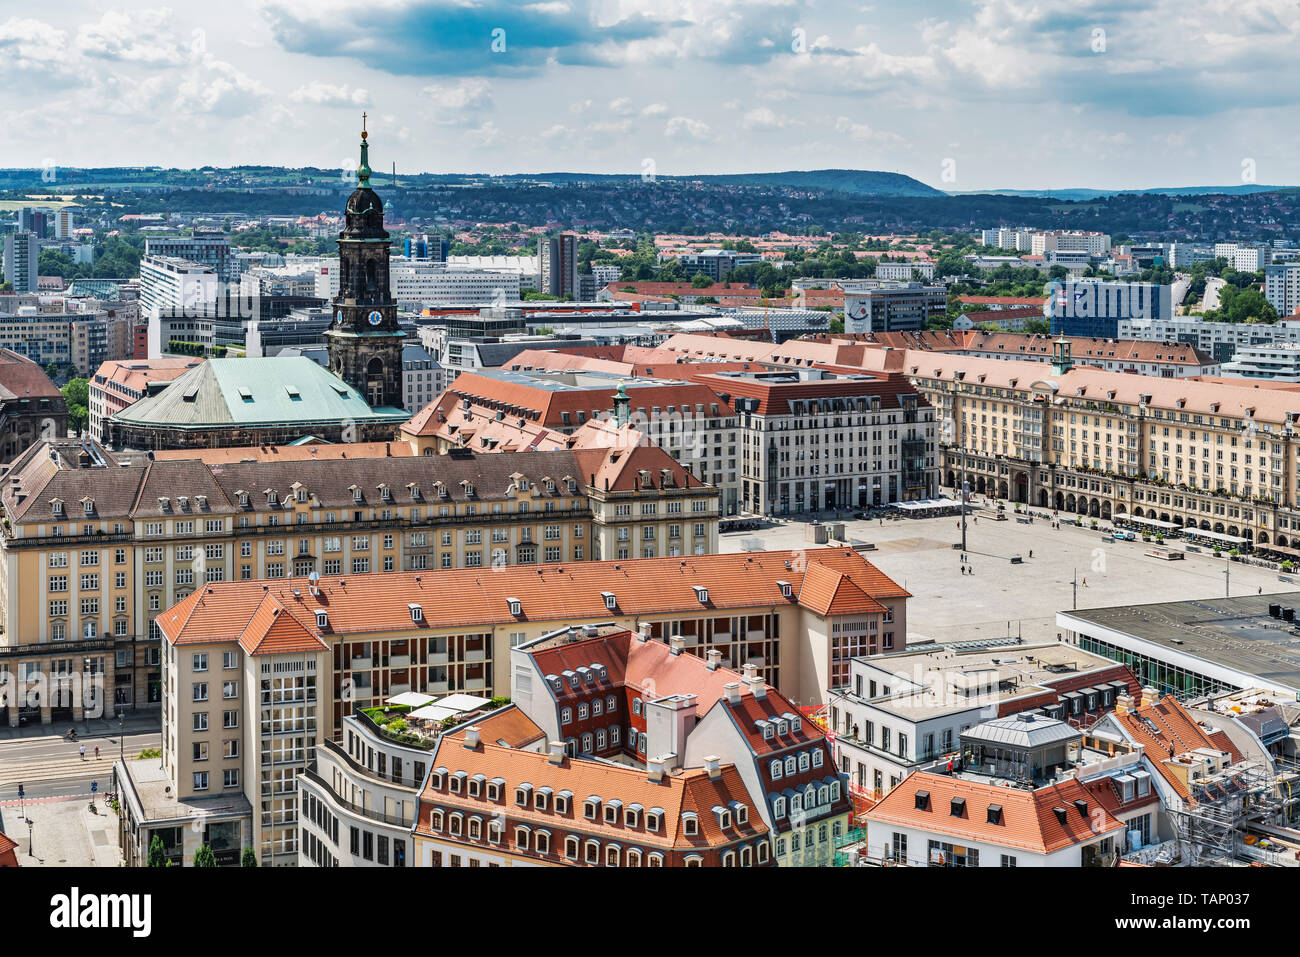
(475,656)
(439,659)
(361,664)
(399,661)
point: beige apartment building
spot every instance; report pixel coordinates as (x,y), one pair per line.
(1209,456)
(95,543)
(257,673)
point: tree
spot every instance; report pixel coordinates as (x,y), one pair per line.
(248,858)
(76,395)
(837,325)
(204,857)
(157,855)
(701,281)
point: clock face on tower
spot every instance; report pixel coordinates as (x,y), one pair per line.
(376,317)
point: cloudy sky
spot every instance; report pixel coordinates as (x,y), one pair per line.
(961,94)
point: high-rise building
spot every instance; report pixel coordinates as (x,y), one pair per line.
(365,343)
(559,264)
(21,251)
(209,248)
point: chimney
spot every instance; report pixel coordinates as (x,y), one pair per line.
(471,737)
(749,669)
(643,633)
(1123,703)
(676,644)
(732,691)
(656,767)
(757,686)
(714,766)
(1149,696)
(713,658)
(557,752)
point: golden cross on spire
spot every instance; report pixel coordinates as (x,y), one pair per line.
(363,125)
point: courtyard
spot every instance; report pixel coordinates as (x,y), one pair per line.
(999,598)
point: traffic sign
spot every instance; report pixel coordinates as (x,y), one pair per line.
(20,790)
(94,786)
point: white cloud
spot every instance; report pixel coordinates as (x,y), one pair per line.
(140,36)
(468,94)
(330,94)
(484,135)
(765,118)
(685,126)
(655,109)
(862,133)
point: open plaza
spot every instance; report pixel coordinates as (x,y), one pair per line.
(948,604)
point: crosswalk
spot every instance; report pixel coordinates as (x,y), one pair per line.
(48,770)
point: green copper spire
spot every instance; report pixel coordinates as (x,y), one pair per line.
(363,171)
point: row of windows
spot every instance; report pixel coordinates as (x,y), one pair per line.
(593,709)
(795,764)
(589,851)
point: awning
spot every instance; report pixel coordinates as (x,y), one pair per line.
(412,699)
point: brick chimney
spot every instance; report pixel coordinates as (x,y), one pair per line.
(1149,696)
(1123,703)
(712,658)
(676,644)
(749,669)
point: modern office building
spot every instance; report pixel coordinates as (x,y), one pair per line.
(1194,648)
(1096,308)
(206,247)
(1276,362)
(20,255)
(169,284)
(895,307)
(558,256)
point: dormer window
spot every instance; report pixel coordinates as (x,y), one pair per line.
(56,507)
(723,815)
(322,618)
(591,808)
(243,498)
(414,490)
(515,605)
(690,824)
(271,497)
(611,602)
(385,493)
(201,501)
(702,594)
(786,590)
(88,504)
(417,613)
(356,492)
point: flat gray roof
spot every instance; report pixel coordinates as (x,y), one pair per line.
(1235,633)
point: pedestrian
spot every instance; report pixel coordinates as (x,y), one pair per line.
(96,752)
(1261,590)
(1031,553)
(83,752)
(1085,583)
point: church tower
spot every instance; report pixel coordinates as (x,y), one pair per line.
(364,342)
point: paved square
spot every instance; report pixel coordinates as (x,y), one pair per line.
(1000,598)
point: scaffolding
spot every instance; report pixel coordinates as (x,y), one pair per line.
(1230,808)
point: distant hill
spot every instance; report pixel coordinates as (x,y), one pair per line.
(858,182)
(1083,194)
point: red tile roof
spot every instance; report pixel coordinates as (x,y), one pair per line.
(1165,730)
(1028,822)
(571,592)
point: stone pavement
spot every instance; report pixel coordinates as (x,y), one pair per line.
(1000,599)
(65,832)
